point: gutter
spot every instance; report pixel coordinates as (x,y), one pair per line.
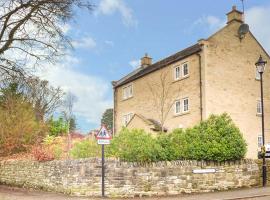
(200,78)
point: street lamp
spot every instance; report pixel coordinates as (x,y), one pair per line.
(260,65)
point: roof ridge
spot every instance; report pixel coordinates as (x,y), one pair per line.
(158,65)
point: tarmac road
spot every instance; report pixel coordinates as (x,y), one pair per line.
(9,193)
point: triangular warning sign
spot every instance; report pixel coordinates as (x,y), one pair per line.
(104,134)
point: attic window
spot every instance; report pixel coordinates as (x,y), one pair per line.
(128,91)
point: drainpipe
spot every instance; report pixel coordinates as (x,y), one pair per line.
(200,78)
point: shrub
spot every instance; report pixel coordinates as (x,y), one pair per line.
(135,146)
(86,149)
(215,139)
(42,154)
(57,127)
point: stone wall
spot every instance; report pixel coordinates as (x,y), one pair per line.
(83,177)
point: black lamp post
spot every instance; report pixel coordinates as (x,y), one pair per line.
(260,65)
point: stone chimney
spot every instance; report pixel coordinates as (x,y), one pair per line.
(235,15)
(146,60)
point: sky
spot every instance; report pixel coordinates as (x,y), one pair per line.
(110,40)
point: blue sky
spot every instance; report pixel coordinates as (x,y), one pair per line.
(109,41)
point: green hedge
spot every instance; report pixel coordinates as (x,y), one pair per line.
(216,139)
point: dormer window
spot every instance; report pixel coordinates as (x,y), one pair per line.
(128,91)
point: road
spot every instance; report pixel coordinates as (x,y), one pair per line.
(8,193)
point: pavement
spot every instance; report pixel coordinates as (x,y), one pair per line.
(11,193)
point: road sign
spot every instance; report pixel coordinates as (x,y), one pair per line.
(103,137)
(104,134)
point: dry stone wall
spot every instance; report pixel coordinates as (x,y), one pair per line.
(83,177)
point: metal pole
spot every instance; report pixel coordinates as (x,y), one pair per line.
(103,172)
(263,137)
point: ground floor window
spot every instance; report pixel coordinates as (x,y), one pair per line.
(260,141)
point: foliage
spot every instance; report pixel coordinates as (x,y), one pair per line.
(57,127)
(42,154)
(107,118)
(72,124)
(216,139)
(85,149)
(135,146)
(19,127)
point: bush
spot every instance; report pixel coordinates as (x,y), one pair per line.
(86,149)
(135,146)
(216,139)
(57,127)
(42,154)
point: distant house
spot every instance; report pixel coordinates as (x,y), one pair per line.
(213,76)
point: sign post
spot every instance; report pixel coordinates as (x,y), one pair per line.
(103,138)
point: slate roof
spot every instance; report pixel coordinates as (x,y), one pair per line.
(142,71)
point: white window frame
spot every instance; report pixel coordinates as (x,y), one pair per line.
(260,141)
(126,118)
(179,72)
(183,74)
(181,103)
(259,107)
(183,106)
(128,91)
(177,102)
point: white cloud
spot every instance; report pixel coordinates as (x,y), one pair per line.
(109,43)
(85,42)
(135,64)
(90,90)
(109,7)
(213,23)
(258,19)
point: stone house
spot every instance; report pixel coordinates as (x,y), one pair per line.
(213,76)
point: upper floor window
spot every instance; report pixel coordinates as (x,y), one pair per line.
(181,106)
(185,105)
(177,107)
(128,91)
(259,107)
(127,118)
(181,71)
(185,69)
(177,73)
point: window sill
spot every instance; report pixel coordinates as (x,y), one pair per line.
(257,79)
(127,98)
(180,79)
(258,114)
(181,114)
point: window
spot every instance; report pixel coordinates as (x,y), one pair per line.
(127,118)
(177,73)
(177,107)
(257,75)
(127,91)
(259,107)
(260,141)
(185,69)
(185,105)
(181,106)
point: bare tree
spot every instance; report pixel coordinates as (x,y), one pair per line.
(31,32)
(44,98)
(162,95)
(68,114)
